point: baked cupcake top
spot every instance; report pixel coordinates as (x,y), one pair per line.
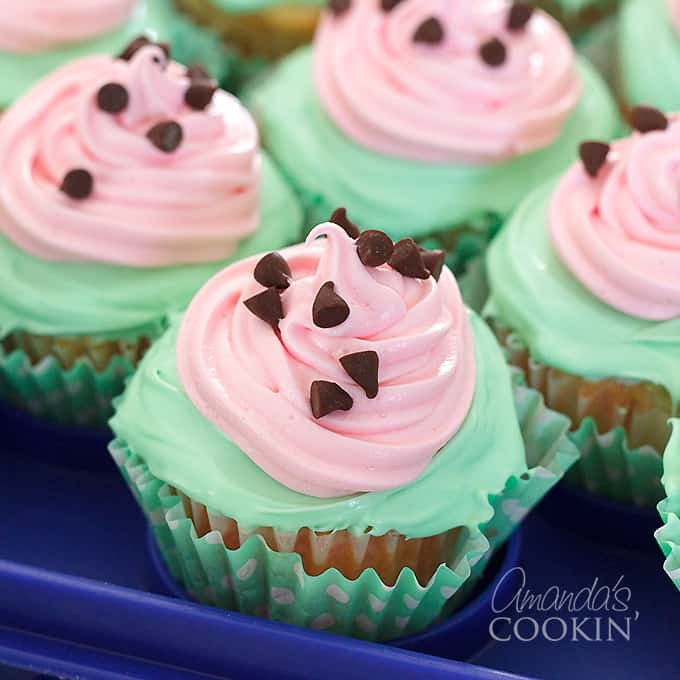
(338,384)
(131,161)
(445,82)
(587,270)
(458,106)
(38,25)
(128,182)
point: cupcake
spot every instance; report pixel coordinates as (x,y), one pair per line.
(578,16)
(126,184)
(38,36)
(585,295)
(649,54)
(324,436)
(668,536)
(456,109)
(247,34)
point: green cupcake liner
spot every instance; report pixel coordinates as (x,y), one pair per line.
(80,396)
(668,537)
(259,581)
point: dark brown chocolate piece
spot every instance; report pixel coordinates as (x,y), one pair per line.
(113,98)
(493,52)
(374,247)
(198,72)
(362,367)
(166,136)
(388,5)
(408,260)
(134,47)
(199,94)
(77,184)
(340,218)
(519,16)
(430,32)
(329,309)
(327,397)
(434,261)
(267,306)
(272,271)
(648,119)
(339,7)
(593,156)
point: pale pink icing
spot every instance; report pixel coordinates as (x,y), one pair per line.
(36,25)
(674,7)
(148,208)
(442,103)
(255,385)
(619,234)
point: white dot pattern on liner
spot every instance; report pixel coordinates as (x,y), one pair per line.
(297,570)
(376,604)
(337,594)
(401,622)
(323,622)
(411,602)
(365,624)
(247,570)
(447,592)
(283,596)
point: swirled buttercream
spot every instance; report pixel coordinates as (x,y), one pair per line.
(445,80)
(37,25)
(171,183)
(619,233)
(254,382)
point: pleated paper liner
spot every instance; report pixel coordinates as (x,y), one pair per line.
(259,571)
(668,536)
(70,381)
(620,427)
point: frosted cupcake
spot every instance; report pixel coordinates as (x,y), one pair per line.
(325,434)
(126,184)
(38,36)
(668,536)
(430,119)
(252,33)
(649,54)
(585,293)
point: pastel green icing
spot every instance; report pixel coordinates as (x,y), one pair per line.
(563,324)
(649,55)
(405,197)
(21,71)
(73,298)
(671,462)
(159,423)
(257,5)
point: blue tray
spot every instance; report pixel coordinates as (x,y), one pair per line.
(79,596)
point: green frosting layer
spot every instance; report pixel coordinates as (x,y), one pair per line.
(405,197)
(181,447)
(108,301)
(256,5)
(649,55)
(21,71)
(562,323)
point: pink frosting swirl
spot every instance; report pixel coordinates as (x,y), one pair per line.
(674,8)
(36,25)
(254,383)
(619,233)
(148,207)
(441,102)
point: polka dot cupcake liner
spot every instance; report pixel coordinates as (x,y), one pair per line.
(608,466)
(668,536)
(79,396)
(256,580)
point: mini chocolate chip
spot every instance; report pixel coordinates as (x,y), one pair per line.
(388,5)
(362,367)
(134,47)
(519,16)
(326,397)
(166,136)
(408,260)
(272,271)
(434,261)
(430,32)
(113,98)
(77,184)
(266,306)
(647,119)
(493,52)
(165,47)
(198,72)
(374,247)
(593,156)
(340,218)
(199,94)
(339,7)
(329,309)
